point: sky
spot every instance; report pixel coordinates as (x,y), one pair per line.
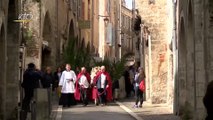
(129,4)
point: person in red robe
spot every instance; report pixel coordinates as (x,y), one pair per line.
(103,84)
(82,86)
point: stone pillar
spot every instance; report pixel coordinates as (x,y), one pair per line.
(199,58)
(122,92)
(3,73)
(42,104)
(12,71)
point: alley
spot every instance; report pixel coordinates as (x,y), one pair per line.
(158,52)
(92,112)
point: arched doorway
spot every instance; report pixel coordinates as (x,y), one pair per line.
(71,34)
(182,65)
(2,74)
(48,47)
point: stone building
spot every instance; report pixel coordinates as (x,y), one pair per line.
(180,66)
(54,23)
(126,30)
(106,14)
(194,59)
(155,55)
(9,61)
(32,31)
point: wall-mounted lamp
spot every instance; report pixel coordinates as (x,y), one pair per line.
(106,19)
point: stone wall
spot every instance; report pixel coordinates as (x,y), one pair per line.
(155,17)
(31,32)
(195,56)
(9,42)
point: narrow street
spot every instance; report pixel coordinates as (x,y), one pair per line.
(92,112)
(153,58)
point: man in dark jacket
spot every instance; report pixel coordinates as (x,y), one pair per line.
(30,82)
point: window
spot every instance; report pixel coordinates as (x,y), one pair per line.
(122,20)
(83,10)
(108,6)
(79,8)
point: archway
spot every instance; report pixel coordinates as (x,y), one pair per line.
(49,47)
(182,65)
(2,75)
(71,34)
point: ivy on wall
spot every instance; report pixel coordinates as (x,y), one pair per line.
(30,42)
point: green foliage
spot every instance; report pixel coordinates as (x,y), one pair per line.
(28,34)
(77,56)
(115,69)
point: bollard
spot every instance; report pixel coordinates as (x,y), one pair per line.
(116,93)
(42,104)
(33,109)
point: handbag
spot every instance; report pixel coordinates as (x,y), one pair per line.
(142,86)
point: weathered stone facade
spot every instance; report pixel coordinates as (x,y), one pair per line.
(185,27)
(44,35)
(156,20)
(194,60)
(9,62)
(54,24)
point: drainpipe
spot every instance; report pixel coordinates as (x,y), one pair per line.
(175,60)
(92,27)
(120,21)
(57,35)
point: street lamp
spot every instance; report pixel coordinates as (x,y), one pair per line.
(106,19)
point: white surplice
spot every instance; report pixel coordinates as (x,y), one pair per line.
(83,81)
(68,86)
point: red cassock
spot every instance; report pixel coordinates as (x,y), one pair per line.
(109,89)
(77,93)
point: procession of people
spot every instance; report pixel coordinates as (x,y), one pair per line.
(84,87)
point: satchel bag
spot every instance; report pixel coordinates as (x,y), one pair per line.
(142,86)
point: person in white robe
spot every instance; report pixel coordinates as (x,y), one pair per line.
(67,85)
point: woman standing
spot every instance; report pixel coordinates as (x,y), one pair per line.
(94,89)
(67,85)
(139,78)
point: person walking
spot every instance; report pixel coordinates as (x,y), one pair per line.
(67,85)
(104,86)
(82,86)
(48,78)
(30,82)
(94,73)
(139,79)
